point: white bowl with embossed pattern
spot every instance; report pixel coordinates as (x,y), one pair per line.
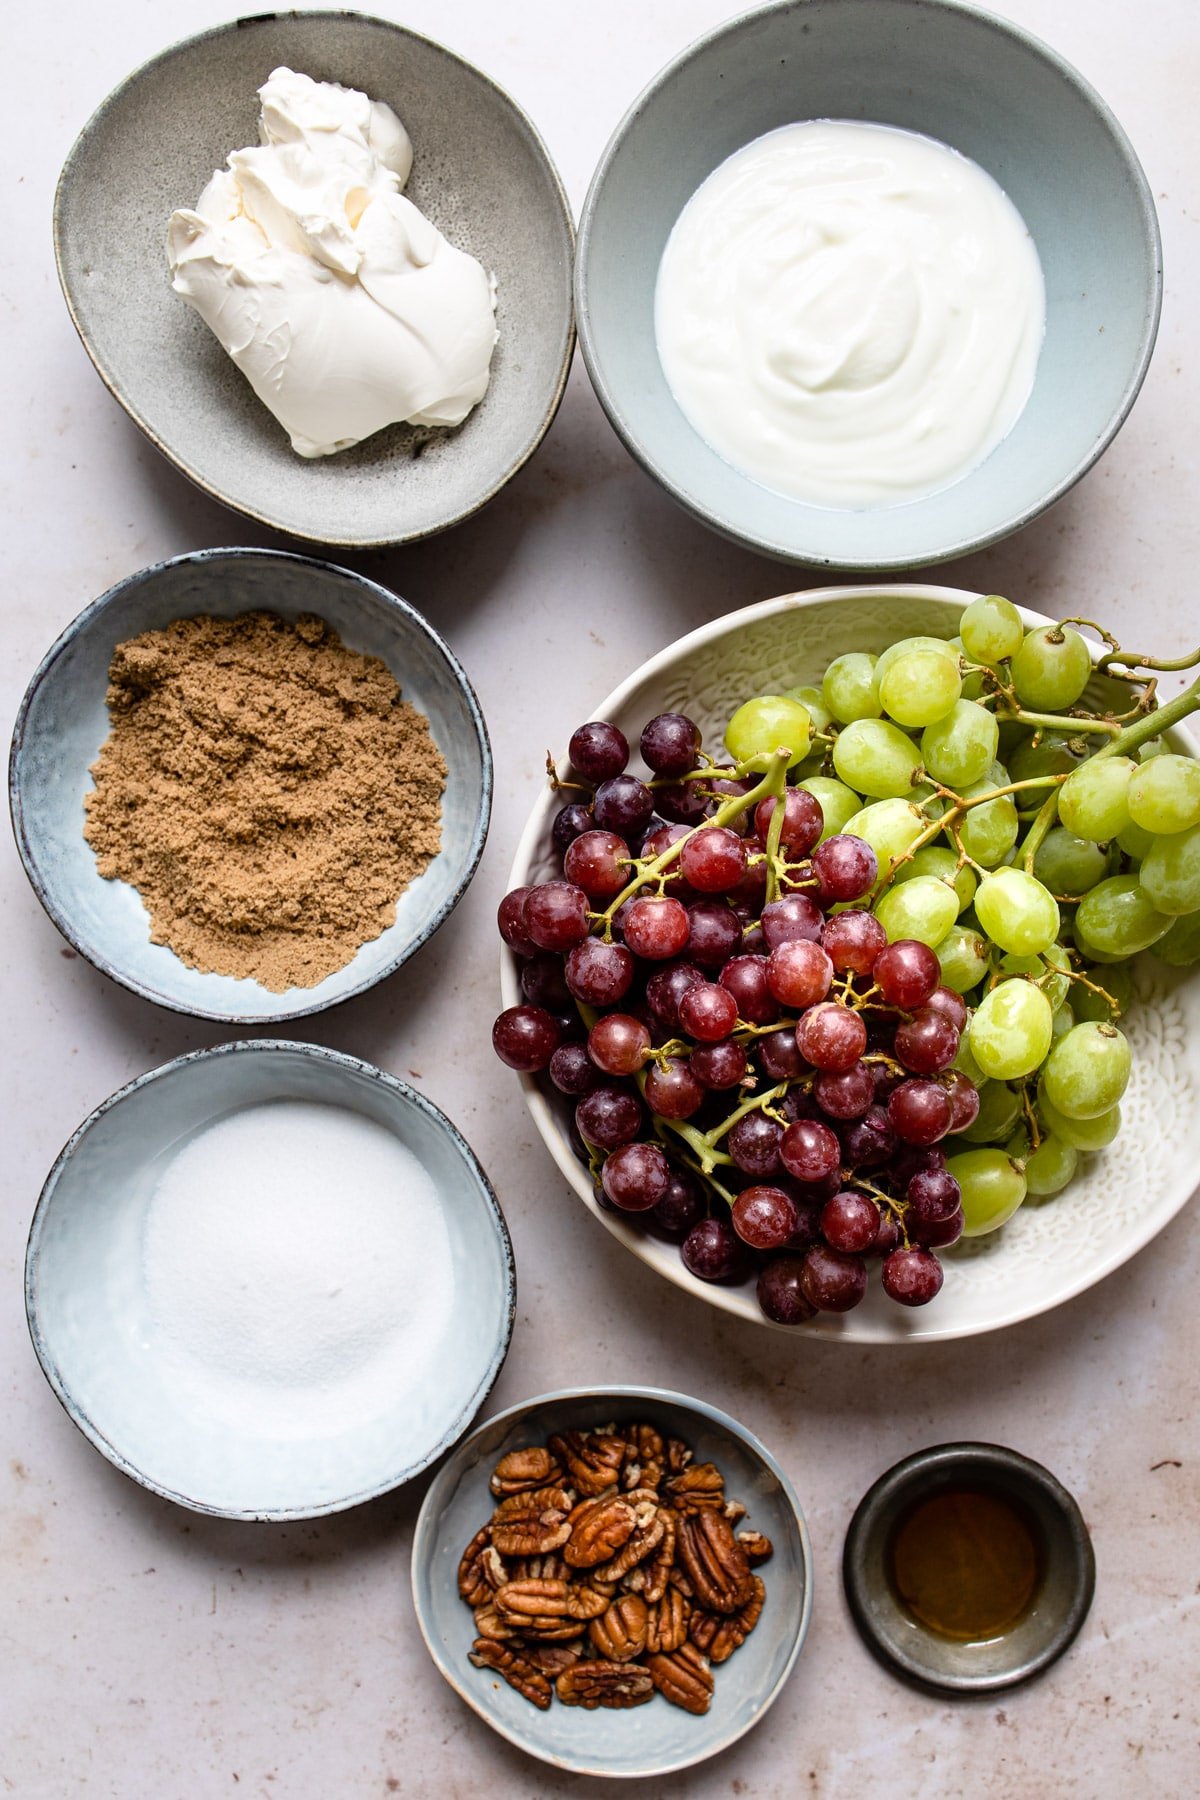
(1049,1251)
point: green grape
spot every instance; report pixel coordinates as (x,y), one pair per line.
(924,909)
(768,723)
(813,702)
(1135,841)
(1117,981)
(920,687)
(1152,747)
(1164,794)
(961,747)
(874,757)
(1180,947)
(1011,1030)
(1051,971)
(1051,669)
(1044,753)
(1087,1071)
(1064,1019)
(838,803)
(999,1110)
(1118,918)
(966,1065)
(991,629)
(963,959)
(905,646)
(1017,912)
(935,859)
(1170,874)
(1049,1168)
(889,826)
(849,687)
(992,1189)
(1093,802)
(989,830)
(1067,864)
(1084,1134)
(932,804)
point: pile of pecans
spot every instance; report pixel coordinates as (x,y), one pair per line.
(610,1570)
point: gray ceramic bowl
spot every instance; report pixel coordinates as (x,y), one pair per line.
(63,721)
(1061,1601)
(480,171)
(973,81)
(96,1337)
(650,1740)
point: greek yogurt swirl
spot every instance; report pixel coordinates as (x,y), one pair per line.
(850,313)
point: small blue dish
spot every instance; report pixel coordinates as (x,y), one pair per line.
(647,1741)
(96,1336)
(975,82)
(63,721)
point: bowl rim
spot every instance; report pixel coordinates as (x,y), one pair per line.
(564,214)
(44,890)
(961,546)
(988,1465)
(429,1516)
(336,1059)
(843,1328)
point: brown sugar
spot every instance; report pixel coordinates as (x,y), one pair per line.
(266,790)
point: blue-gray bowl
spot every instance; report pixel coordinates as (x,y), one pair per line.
(480,172)
(651,1740)
(973,81)
(97,1339)
(63,721)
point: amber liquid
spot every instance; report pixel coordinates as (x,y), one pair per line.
(966,1563)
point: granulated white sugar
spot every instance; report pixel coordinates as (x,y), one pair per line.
(297,1266)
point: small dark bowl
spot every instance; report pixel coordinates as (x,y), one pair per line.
(1060,1605)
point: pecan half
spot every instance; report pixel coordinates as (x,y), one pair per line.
(489,1624)
(473,1584)
(667,1622)
(522,1470)
(714,1561)
(532,1524)
(658,1568)
(592,1459)
(620,1631)
(650,1529)
(757,1547)
(699,1486)
(645,1457)
(678,1455)
(615,1684)
(538,1568)
(720,1636)
(598,1530)
(515,1667)
(683,1677)
(552,1659)
(540,1606)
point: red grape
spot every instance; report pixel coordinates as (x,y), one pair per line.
(713,1251)
(598,751)
(683,802)
(525,1037)
(510,917)
(608,1117)
(799,974)
(913,1277)
(681,1207)
(846,868)
(570,822)
(655,929)
(945,1000)
(780,1055)
(853,941)
(832,1281)
(673,1090)
(572,1070)
(809,1150)
(623,805)
(850,1221)
(636,1177)
(932,1195)
(780,1292)
(848,1095)
(907,972)
(796,916)
(599,974)
(964,1100)
(599,863)
(831,1037)
(764,1217)
(556,915)
(666,988)
(719,1066)
(714,935)
(919,1112)
(927,1043)
(618,1043)
(713,859)
(870,1142)
(544,982)
(707,1012)
(745,977)
(754,1143)
(937,1234)
(889,1236)
(670,744)
(803,821)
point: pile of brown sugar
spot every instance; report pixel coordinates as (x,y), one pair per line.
(266,790)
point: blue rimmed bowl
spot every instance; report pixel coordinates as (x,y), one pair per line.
(975,82)
(98,1342)
(648,1741)
(63,721)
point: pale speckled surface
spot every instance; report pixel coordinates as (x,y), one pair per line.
(149,1655)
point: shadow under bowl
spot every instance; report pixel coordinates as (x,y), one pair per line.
(100,1343)
(63,721)
(1061,1600)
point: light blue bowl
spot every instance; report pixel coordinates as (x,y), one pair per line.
(651,1740)
(972,81)
(63,721)
(96,1338)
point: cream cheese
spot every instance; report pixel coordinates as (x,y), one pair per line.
(850,313)
(341,303)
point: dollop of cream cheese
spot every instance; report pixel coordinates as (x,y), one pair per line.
(850,313)
(341,303)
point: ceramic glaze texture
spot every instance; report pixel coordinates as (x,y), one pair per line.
(968,80)
(656,1738)
(63,722)
(93,1327)
(480,172)
(1050,1250)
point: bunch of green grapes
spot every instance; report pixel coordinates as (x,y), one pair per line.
(1033,845)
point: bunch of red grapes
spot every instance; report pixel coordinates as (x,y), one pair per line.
(764,1081)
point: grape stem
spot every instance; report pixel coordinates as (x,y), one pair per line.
(1129,661)
(1152,724)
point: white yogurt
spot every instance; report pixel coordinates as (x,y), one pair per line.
(849,313)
